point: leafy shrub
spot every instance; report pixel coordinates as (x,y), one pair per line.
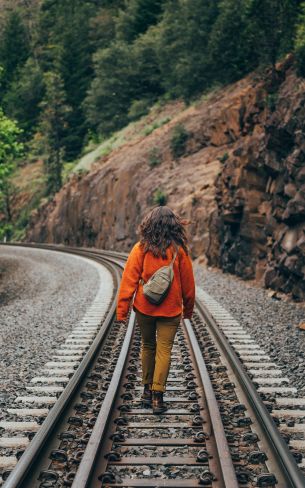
(178,141)
(160,197)
(154,157)
(138,109)
(6,231)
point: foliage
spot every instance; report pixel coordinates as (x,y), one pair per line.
(112,89)
(10,149)
(232,50)
(6,231)
(73,70)
(123,76)
(76,70)
(137,17)
(14,47)
(22,100)
(179,138)
(138,109)
(300,41)
(154,157)
(272,22)
(67,47)
(160,197)
(53,126)
(182,47)
(116,58)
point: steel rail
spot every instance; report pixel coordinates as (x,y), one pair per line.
(18,477)
(84,472)
(289,469)
(224,457)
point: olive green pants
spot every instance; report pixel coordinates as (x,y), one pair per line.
(158,334)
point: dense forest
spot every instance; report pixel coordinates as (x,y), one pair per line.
(75,71)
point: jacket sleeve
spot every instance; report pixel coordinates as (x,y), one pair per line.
(187,285)
(130,280)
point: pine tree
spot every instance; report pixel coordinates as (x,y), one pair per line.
(75,66)
(300,41)
(112,89)
(53,127)
(147,76)
(102,28)
(10,149)
(137,17)
(14,47)
(273,22)
(67,46)
(232,46)
(182,50)
(23,98)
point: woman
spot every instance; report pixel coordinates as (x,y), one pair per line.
(162,234)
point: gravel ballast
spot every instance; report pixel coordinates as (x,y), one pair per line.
(43,294)
(273,323)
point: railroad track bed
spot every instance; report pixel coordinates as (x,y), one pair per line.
(178,448)
(217,431)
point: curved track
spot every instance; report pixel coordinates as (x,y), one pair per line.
(217,431)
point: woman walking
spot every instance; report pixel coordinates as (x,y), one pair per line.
(162,250)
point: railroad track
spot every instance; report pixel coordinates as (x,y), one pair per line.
(217,432)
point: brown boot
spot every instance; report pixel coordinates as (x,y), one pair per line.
(146,396)
(157,402)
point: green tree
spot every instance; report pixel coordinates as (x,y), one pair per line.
(53,127)
(182,49)
(23,98)
(76,70)
(123,74)
(14,47)
(102,28)
(232,45)
(273,22)
(147,76)
(10,149)
(137,17)
(112,89)
(300,41)
(67,46)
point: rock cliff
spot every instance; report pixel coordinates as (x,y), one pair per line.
(240,181)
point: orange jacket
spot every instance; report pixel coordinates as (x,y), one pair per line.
(140,264)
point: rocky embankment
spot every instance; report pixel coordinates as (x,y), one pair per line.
(260,193)
(240,180)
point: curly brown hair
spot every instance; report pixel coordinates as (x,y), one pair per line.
(159,229)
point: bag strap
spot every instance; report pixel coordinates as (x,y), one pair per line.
(142,282)
(175,255)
